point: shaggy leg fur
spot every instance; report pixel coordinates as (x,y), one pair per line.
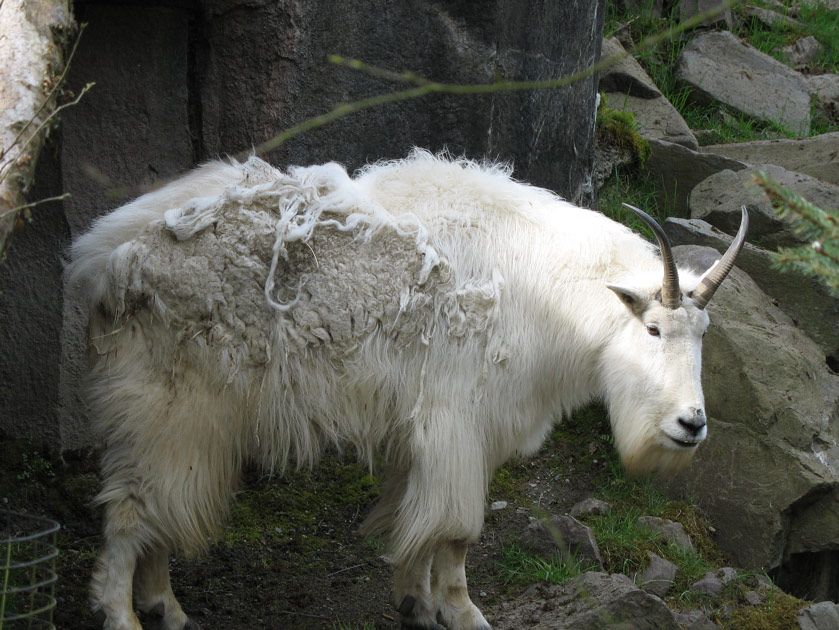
(448,589)
(153,591)
(170,466)
(442,500)
(112,583)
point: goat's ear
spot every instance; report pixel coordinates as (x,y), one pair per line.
(633,300)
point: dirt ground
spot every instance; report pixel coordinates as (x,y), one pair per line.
(292,556)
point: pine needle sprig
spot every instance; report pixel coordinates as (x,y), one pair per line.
(812,224)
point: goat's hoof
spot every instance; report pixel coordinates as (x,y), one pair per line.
(407,624)
(191,625)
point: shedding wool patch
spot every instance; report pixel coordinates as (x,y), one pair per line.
(304,255)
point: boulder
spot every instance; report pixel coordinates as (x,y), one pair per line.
(713,582)
(591,601)
(718,198)
(692,8)
(671,531)
(803,298)
(679,169)
(816,156)
(769,17)
(625,76)
(720,68)
(768,475)
(821,616)
(802,52)
(659,577)
(825,90)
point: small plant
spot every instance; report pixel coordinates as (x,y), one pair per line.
(35,467)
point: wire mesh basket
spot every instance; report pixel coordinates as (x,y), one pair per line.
(27,571)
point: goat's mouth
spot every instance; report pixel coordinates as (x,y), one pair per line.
(687,444)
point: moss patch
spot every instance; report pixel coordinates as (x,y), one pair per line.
(619,128)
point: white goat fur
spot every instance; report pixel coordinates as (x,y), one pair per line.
(432,310)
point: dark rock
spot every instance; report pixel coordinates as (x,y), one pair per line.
(592,601)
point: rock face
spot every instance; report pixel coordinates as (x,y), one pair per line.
(183,83)
(718,198)
(588,602)
(719,67)
(815,156)
(769,472)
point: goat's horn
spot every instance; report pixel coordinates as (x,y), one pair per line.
(713,278)
(671,292)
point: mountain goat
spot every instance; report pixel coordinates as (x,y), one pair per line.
(431,310)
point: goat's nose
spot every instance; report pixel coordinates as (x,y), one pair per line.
(693,422)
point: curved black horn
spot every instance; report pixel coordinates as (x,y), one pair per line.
(715,275)
(671,292)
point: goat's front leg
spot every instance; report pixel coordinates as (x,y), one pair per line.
(153,591)
(448,589)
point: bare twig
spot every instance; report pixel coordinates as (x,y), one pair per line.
(35,203)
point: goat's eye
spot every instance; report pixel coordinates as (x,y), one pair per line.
(653,330)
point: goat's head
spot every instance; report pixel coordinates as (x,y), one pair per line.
(652,365)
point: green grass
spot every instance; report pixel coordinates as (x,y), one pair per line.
(723,126)
(811,19)
(633,186)
(520,566)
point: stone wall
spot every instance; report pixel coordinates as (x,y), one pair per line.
(181,82)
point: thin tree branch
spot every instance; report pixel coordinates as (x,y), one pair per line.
(35,203)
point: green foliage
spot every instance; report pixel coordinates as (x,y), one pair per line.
(820,258)
(35,467)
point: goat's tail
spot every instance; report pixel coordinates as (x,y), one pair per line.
(90,253)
